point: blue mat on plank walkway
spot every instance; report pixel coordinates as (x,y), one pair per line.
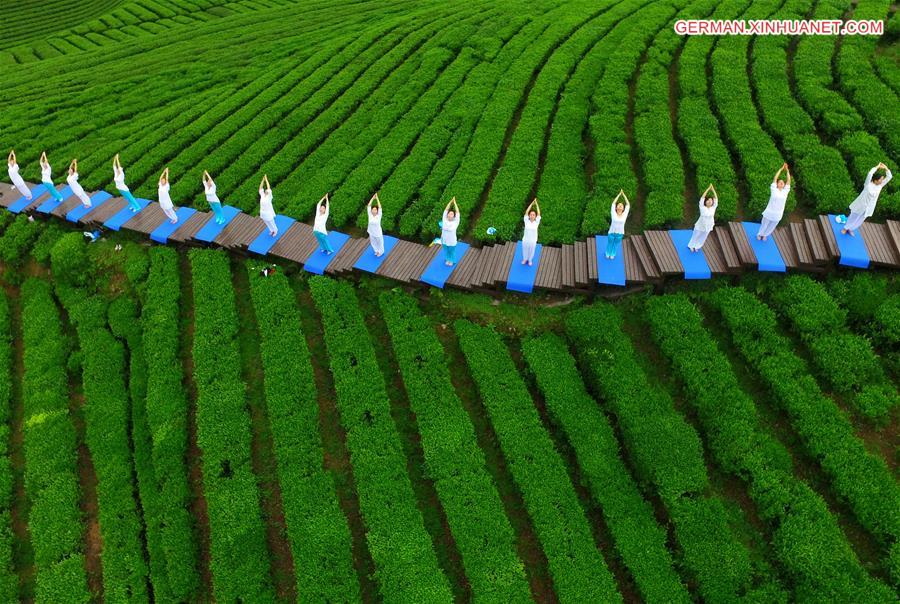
(437,272)
(768,257)
(369,262)
(264,242)
(211,230)
(79,211)
(318,261)
(117,220)
(52,203)
(694,263)
(162,233)
(521,276)
(609,272)
(23,202)
(853,251)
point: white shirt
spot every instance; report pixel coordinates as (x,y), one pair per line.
(266,211)
(165,201)
(45,173)
(777,197)
(321,219)
(210,190)
(865,202)
(374,228)
(531,229)
(448,230)
(707,220)
(617,223)
(119,179)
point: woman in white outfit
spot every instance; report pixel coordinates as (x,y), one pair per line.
(864,205)
(778,193)
(165,200)
(266,211)
(709,201)
(448,232)
(319,225)
(209,189)
(47,180)
(17,182)
(376,237)
(530,236)
(72,181)
(618,214)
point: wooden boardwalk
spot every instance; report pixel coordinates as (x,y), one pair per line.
(648,258)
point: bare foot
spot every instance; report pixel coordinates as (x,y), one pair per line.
(529,263)
(524,262)
(851,233)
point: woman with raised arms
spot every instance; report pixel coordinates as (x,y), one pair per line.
(618,212)
(18,182)
(864,205)
(449,225)
(376,237)
(209,188)
(119,179)
(47,179)
(709,201)
(72,181)
(266,211)
(530,236)
(778,192)
(323,208)
(165,200)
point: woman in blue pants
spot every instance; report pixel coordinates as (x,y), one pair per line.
(46,178)
(449,224)
(209,188)
(119,179)
(319,229)
(618,215)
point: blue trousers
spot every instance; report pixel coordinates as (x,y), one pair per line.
(612,243)
(53,192)
(217,212)
(323,242)
(450,253)
(132,202)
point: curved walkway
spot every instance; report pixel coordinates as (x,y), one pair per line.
(648,258)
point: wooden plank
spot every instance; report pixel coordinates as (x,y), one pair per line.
(9,194)
(100,214)
(292,245)
(65,207)
(146,220)
(634,271)
(645,256)
(549,260)
(881,248)
(785,244)
(582,280)
(567,263)
(820,252)
(828,236)
(488,260)
(712,251)
(460,276)
(729,250)
(893,231)
(190,227)
(741,244)
(421,263)
(801,243)
(663,251)
(502,274)
(591,246)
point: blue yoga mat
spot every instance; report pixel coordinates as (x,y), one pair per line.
(437,272)
(521,276)
(694,263)
(369,262)
(264,242)
(79,211)
(853,250)
(51,204)
(211,230)
(767,255)
(117,220)
(162,233)
(23,202)
(609,272)
(318,261)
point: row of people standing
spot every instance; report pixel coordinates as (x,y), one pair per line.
(860,209)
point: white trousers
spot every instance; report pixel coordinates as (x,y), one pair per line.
(854,221)
(528,248)
(85,200)
(270,224)
(21,186)
(766,227)
(170,214)
(377,243)
(698,238)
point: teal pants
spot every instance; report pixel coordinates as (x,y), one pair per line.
(612,244)
(53,192)
(132,202)
(217,212)
(323,242)
(450,253)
